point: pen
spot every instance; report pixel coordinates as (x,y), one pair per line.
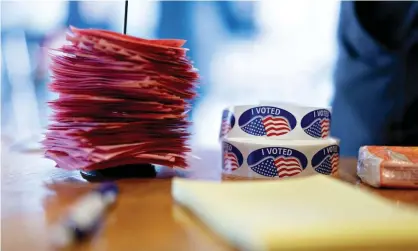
(84,216)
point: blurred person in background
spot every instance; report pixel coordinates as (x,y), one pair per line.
(27,34)
(376,75)
(23,26)
(75,17)
(205,24)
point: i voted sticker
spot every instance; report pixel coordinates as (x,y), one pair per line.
(317,123)
(267,121)
(232,157)
(277,161)
(326,160)
(228,122)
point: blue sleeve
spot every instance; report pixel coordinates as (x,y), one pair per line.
(374,84)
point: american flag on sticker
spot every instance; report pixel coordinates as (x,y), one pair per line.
(329,165)
(277,162)
(326,160)
(232,158)
(228,122)
(267,122)
(319,128)
(281,167)
(230,161)
(317,123)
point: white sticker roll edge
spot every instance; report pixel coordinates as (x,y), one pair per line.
(277,121)
(268,158)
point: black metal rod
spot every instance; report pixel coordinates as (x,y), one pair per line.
(125,21)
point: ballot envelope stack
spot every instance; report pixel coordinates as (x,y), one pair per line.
(122,100)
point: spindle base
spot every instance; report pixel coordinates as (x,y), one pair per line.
(120,172)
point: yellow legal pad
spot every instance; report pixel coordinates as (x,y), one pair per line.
(312,213)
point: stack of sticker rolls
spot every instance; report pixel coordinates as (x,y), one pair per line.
(277,140)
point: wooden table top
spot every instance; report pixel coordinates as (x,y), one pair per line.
(35,194)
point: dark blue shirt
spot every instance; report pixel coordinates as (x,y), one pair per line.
(376,75)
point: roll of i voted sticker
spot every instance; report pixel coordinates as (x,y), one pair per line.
(275,159)
(276,121)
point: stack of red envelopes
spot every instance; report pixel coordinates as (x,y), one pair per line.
(122,100)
